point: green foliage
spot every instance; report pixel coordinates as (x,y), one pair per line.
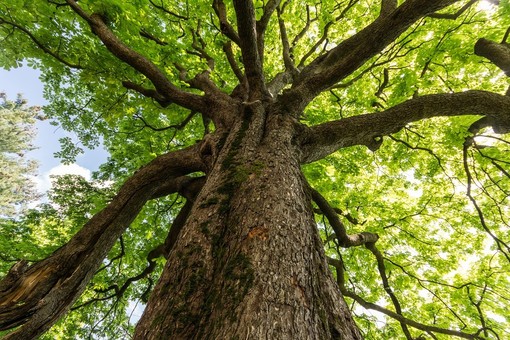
(445,252)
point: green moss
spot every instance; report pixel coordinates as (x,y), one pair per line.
(239,276)
(224,207)
(209,202)
(157,320)
(205,229)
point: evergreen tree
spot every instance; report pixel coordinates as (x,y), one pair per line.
(16,136)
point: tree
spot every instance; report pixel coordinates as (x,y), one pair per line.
(255,145)
(16,134)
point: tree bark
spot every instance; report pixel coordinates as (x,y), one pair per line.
(249,262)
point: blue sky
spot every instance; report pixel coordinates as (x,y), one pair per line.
(26,81)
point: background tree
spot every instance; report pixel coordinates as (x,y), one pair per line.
(16,136)
(239,133)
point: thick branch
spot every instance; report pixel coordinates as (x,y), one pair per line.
(349,55)
(388,6)
(499,54)
(40,294)
(269,9)
(139,62)
(324,139)
(246,26)
(225,26)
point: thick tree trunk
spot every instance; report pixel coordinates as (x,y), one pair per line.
(249,263)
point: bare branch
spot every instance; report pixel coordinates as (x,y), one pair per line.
(323,139)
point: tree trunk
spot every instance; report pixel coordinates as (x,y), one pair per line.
(249,263)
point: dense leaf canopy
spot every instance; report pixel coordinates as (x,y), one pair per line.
(435,191)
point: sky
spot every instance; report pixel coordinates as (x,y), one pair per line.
(26,81)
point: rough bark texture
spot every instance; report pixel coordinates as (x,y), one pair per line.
(499,54)
(37,296)
(246,260)
(249,263)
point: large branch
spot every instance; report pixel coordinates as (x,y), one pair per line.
(139,62)
(499,54)
(324,139)
(327,70)
(35,297)
(226,28)
(246,27)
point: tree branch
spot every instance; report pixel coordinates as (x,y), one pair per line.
(139,62)
(338,265)
(40,294)
(41,45)
(225,27)
(345,240)
(162,8)
(287,58)
(150,93)
(453,16)
(349,55)
(324,139)
(227,48)
(499,54)
(190,187)
(386,285)
(388,6)
(246,26)
(262,23)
